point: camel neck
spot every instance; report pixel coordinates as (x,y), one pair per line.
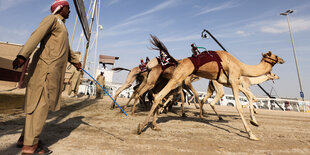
(255,70)
(257,80)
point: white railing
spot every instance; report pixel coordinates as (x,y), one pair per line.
(284,104)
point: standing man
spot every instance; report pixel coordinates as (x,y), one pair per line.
(74,83)
(45,84)
(101,80)
(75,80)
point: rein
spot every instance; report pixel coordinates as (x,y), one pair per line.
(271,63)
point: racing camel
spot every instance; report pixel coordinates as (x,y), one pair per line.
(223,68)
(158,71)
(134,74)
(244,87)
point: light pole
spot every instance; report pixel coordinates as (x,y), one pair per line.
(296,62)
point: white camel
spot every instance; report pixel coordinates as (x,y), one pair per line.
(244,87)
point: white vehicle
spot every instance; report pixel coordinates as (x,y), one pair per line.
(226,100)
(229,100)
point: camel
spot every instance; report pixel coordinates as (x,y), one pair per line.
(131,77)
(173,94)
(229,70)
(244,87)
(150,81)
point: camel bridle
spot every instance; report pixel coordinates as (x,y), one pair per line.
(273,61)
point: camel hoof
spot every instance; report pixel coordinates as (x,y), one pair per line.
(140,128)
(155,128)
(184,115)
(132,114)
(165,111)
(253,137)
(200,116)
(221,119)
(254,123)
(203,111)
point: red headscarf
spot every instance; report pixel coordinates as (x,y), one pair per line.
(58,4)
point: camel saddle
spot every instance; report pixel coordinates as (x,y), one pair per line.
(166,64)
(205,57)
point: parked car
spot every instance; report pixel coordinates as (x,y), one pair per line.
(229,100)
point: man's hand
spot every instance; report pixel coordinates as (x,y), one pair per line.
(18,62)
(77,66)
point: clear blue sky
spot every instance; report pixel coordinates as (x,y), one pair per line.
(246,28)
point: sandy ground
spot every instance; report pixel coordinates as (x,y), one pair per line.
(88,127)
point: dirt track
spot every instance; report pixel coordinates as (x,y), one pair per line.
(88,126)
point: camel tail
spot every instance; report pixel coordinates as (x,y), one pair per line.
(160,46)
(118,69)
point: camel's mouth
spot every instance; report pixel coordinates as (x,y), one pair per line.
(281,61)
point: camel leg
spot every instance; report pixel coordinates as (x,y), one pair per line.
(190,86)
(235,88)
(219,94)
(148,84)
(249,95)
(131,77)
(190,100)
(182,101)
(137,98)
(208,95)
(177,79)
(166,104)
(133,96)
(157,100)
(151,112)
(144,89)
(134,107)
(119,90)
(154,124)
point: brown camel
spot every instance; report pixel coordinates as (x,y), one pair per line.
(172,96)
(152,78)
(229,65)
(131,77)
(148,83)
(244,87)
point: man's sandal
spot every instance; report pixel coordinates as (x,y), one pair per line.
(20,143)
(40,150)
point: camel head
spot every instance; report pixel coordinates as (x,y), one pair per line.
(272,58)
(272,76)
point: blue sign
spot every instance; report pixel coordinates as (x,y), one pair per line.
(302,94)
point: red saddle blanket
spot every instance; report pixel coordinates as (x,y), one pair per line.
(205,57)
(166,64)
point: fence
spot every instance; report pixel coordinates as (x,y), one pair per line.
(283,104)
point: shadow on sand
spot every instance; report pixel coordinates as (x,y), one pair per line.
(214,123)
(54,130)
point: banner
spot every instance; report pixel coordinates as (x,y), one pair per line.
(80,9)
